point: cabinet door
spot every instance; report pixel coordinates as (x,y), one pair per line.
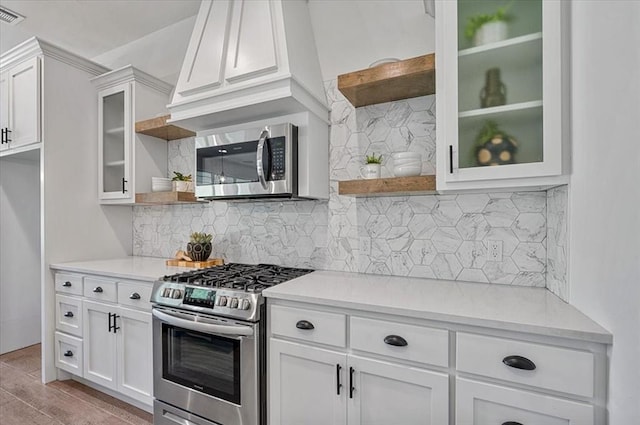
(24,103)
(500,93)
(303,385)
(480,404)
(99,343)
(4,107)
(114,144)
(135,361)
(386,393)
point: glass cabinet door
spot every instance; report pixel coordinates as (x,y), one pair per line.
(114,143)
(504,95)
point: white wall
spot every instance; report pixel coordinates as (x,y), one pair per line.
(604,196)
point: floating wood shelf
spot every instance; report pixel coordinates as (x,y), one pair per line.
(166,198)
(392,81)
(158,127)
(395,186)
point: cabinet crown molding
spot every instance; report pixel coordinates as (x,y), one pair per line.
(35,46)
(129,73)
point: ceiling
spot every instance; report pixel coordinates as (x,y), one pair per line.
(91,27)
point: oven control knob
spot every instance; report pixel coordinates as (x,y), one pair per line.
(176,294)
(166,293)
(222,301)
(233,303)
(244,305)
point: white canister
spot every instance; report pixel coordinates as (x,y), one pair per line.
(370,171)
(490,32)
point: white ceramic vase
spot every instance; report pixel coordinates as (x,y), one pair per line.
(490,32)
(370,171)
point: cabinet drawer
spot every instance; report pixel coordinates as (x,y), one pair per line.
(68,353)
(424,345)
(309,325)
(69,314)
(480,404)
(135,294)
(560,369)
(69,283)
(100,289)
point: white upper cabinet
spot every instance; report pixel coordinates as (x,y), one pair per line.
(20,105)
(502,116)
(248,60)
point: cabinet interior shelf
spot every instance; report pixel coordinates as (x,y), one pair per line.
(158,127)
(115,163)
(488,112)
(166,198)
(392,186)
(115,131)
(389,82)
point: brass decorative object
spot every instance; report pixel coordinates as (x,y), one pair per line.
(494,93)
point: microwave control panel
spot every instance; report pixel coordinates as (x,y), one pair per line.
(278,156)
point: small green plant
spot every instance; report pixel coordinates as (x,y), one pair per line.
(200,237)
(179,177)
(488,131)
(475,22)
(373,159)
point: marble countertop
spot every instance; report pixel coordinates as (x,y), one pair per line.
(134,268)
(523,309)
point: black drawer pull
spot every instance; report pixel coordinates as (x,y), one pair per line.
(395,340)
(134,296)
(304,325)
(511,423)
(68,314)
(97,289)
(69,353)
(66,284)
(519,362)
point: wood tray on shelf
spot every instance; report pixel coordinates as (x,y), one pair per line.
(196,264)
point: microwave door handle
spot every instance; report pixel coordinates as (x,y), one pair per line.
(202,327)
(259,165)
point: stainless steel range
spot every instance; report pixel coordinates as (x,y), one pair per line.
(209,342)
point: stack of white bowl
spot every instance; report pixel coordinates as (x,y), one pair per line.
(407,164)
(160,184)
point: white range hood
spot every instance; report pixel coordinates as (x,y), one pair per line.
(249,60)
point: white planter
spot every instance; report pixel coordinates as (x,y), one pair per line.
(370,171)
(181,186)
(490,32)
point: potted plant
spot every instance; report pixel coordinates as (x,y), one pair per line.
(488,27)
(372,168)
(199,247)
(182,183)
(494,146)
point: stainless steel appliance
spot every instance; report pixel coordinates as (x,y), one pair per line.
(209,344)
(251,163)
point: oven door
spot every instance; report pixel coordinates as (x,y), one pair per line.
(207,366)
(248,163)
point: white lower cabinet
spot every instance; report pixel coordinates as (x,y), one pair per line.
(99,343)
(134,354)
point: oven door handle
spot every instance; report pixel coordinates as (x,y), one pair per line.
(201,326)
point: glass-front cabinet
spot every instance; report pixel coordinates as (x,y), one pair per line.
(501,110)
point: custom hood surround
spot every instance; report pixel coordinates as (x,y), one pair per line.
(247,61)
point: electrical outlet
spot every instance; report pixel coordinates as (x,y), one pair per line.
(495,251)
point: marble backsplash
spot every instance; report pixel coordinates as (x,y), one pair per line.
(437,236)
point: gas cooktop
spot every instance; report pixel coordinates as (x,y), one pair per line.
(231,290)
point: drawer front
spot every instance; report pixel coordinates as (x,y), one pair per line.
(69,283)
(481,404)
(68,353)
(309,325)
(408,342)
(100,289)
(69,314)
(134,294)
(560,369)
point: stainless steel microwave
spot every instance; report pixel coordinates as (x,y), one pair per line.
(251,163)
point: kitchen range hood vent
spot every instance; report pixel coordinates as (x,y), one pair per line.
(9,16)
(248,60)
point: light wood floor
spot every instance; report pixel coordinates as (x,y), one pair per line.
(24,400)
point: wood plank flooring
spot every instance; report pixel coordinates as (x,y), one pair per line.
(24,400)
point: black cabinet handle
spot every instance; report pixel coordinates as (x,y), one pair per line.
(110,317)
(124,190)
(338,384)
(68,314)
(304,325)
(69,353)
(351,370)
(67,284)
(395,340)
(511,423)
(98,289)
(2,137)
(115,326)
(519,362)
(6,135)
(134,296)
(450,159)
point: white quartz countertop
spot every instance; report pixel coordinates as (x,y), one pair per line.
(523,309)
(134,268)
